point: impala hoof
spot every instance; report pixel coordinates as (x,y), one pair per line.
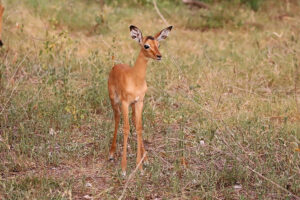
(111,157)
(146,162)
(124,173)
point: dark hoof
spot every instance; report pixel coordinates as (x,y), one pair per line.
(1,43)
(111,158)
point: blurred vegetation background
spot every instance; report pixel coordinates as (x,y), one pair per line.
(221,117)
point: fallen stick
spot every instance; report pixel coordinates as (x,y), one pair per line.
(130,176)
(196,3)
(277,185)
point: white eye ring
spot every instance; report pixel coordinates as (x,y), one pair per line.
(146,46)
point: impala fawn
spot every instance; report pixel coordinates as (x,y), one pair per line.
(127,87)
(1,15)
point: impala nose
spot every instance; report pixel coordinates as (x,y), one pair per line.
(158,57)
(1,44)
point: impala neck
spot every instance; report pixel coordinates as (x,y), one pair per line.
(140,66)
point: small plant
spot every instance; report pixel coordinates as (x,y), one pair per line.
(254,4)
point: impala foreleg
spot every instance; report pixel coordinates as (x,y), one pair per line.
(133,115)
(116,109)
(1,15)
(139,130)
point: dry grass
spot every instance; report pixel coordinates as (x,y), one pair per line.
(221,117)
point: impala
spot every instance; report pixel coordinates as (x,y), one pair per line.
(1,15)
(127,87)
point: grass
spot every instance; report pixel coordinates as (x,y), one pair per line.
(222,105)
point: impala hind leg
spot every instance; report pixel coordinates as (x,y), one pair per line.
(116,109)
(135,126)
(125,133)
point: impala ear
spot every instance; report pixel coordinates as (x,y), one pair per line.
(163,34)
(136,34)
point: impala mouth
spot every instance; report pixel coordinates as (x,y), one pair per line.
(158,57)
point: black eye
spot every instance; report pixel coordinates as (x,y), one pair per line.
(146,46)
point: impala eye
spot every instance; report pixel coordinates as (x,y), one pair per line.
(146,46)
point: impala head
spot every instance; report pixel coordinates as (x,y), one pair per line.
(150,44)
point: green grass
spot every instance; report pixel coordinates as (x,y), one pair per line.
(228,78)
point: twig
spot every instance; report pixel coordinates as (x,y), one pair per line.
(165,161)
(130,176)
(103,192)
(16,70)
(159,13)
(296,81)
(15,86)
(267,179)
